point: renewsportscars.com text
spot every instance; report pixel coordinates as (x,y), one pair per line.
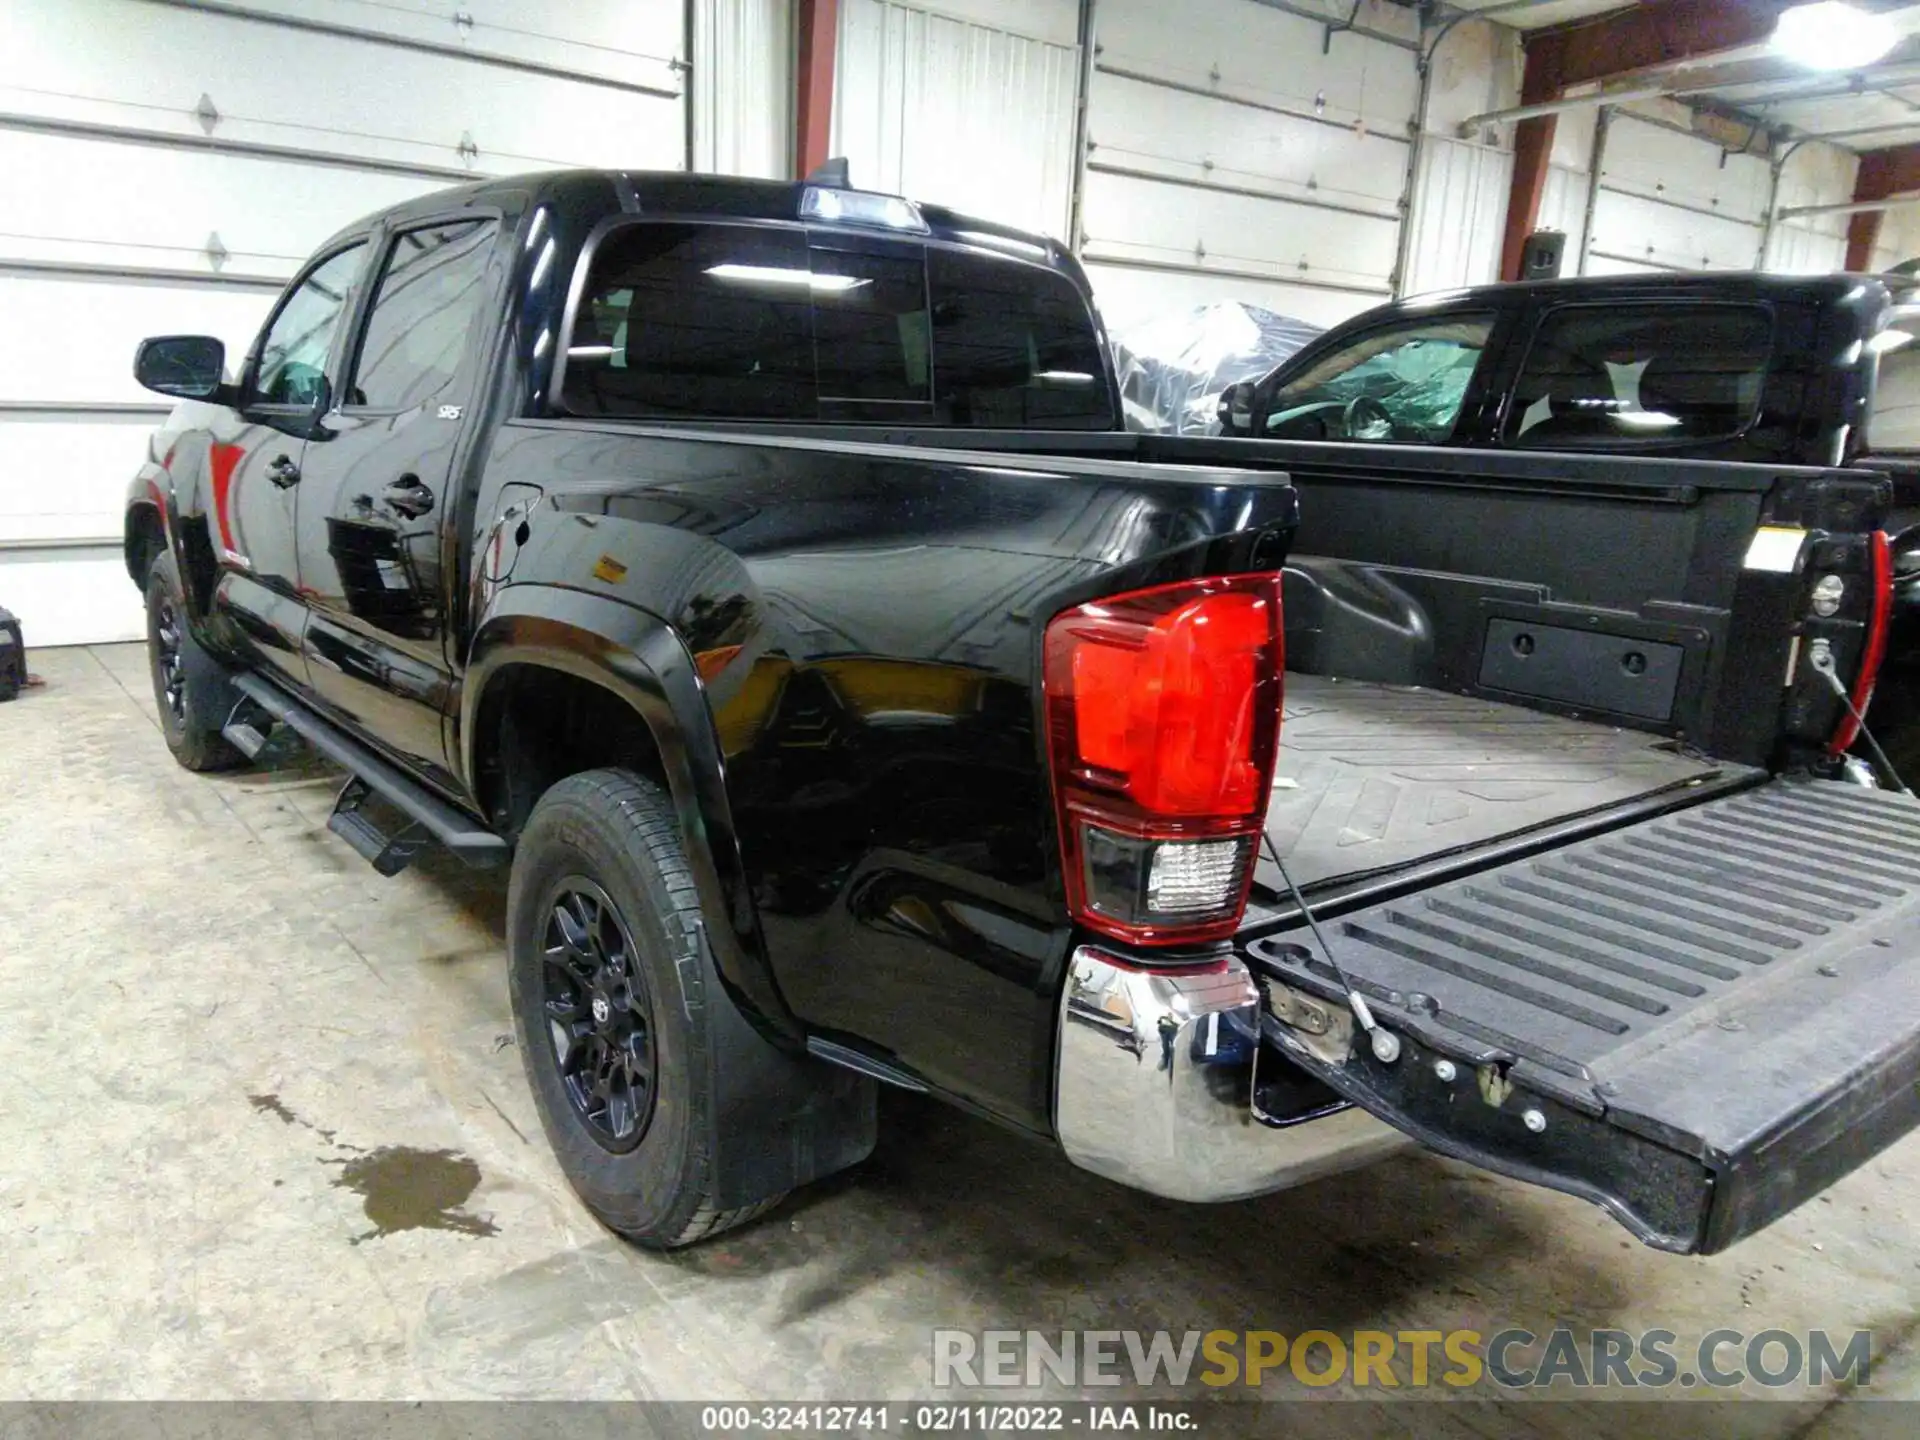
(1413,1359)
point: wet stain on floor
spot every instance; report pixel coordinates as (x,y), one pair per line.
(402,1188)
(273,1105)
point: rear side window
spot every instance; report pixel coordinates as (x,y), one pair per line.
(695,320)
(1625,376)
(429,296)
(719,321)
(1013,347)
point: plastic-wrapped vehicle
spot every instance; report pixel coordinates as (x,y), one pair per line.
(1174,367)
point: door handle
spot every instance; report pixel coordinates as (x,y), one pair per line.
(408,496)
(282,471)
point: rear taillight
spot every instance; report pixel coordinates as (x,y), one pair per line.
(1879,619)
(1163,713)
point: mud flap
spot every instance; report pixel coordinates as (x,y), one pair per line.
(1699,1021)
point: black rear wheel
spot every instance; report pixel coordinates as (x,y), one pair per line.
(613,1004)
(598,1014)
(191,691)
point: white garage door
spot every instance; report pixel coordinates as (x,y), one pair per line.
(965,103)
(1246,151)
(1669,200)
(164,166)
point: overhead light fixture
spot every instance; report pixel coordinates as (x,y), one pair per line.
(1830,35)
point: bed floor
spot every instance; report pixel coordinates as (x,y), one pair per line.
(1373,777)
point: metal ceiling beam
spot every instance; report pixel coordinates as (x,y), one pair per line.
(1825,87)
(1565,104)
(1337,24)
(1505,7)
(1851,207)
(1606,47)
(1717,74)
(1828,136)
(1640,37)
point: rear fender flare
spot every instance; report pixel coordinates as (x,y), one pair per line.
(637,656)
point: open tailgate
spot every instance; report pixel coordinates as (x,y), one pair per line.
(1699,1021)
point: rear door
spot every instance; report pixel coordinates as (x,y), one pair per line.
(1669,377)
(1698,1021)
(374,490)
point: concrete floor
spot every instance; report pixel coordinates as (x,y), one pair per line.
(263,1134)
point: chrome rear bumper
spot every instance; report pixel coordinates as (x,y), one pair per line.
(1153,1083)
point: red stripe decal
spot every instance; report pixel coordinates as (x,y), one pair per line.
(225,459)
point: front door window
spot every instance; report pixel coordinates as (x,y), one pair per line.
(1402,383)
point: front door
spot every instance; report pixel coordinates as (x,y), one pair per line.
(375,537)
(254,466)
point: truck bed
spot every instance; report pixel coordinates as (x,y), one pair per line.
(1376,778)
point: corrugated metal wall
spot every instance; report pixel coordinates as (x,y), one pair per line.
(132,207)
(743,87)
(1459,209)
(1460,193)
(949,109)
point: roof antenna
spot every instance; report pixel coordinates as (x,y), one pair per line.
(833,172)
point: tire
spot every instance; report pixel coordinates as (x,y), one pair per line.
(600,859)
(192,692)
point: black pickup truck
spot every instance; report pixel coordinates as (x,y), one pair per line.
(1772,369)
(761,572)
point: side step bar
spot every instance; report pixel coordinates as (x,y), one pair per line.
(430,816)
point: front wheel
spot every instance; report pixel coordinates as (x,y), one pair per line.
(192,693)
(613,995)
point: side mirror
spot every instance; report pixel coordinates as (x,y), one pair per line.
(1236,408)
(187,367)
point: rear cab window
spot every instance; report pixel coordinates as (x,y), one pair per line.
(1404,382)
(723,321)
(1624,377)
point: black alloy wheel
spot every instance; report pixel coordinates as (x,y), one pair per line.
(192,693)
(168,668)
(598,1013)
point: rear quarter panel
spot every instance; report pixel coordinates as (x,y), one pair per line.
(865,623)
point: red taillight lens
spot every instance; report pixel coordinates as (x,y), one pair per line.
(1163,711)
(1875,650)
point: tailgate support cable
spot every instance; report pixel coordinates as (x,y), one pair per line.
(1386,1045)
(1820,657)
